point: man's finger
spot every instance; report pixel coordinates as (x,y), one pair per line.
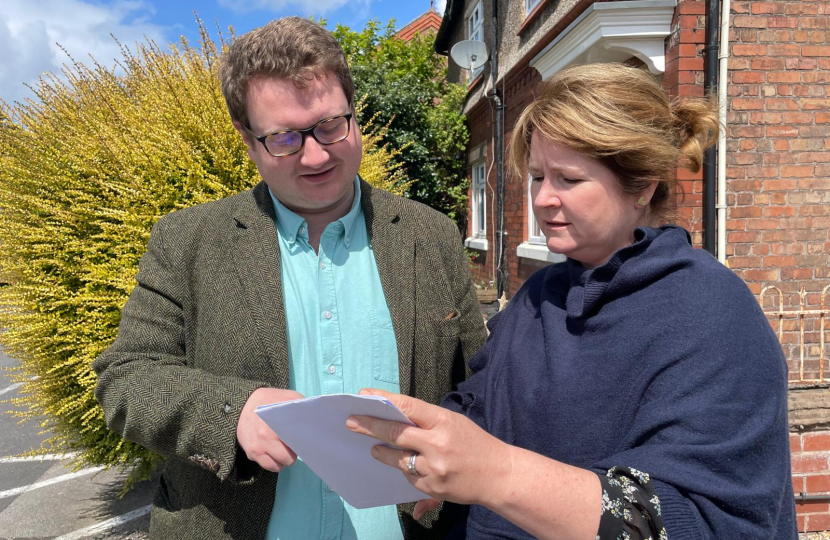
(422,507)
(269,464)
(422,413)
(283,455)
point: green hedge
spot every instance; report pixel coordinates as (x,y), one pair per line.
(86,169)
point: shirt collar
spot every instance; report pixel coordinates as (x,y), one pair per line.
(291,226)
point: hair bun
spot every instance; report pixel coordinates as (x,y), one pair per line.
(697,126)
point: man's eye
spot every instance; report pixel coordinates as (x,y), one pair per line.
(571,180)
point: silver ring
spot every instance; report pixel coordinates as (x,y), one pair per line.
(411,464)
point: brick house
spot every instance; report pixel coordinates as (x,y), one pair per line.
(776,204)
(429,21)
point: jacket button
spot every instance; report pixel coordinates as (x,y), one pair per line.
(227,408)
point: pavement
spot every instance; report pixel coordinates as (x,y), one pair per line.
(43,498)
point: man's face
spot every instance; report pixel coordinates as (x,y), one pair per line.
(317,178)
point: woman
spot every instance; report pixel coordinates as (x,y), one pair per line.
(634,391)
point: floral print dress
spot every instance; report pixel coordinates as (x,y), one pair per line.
(630,507)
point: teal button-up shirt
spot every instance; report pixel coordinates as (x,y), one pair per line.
(340,339)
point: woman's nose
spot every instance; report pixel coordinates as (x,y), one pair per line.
(547,195)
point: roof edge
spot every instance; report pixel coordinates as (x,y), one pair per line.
(452,16)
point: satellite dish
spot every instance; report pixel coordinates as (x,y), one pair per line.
(469,53)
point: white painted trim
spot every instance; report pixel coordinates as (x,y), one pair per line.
(42,457)
(611,31)
(15,386)
(56,480)
(476,243)
(538,252)
(111,523)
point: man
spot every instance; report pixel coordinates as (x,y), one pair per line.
(310,283)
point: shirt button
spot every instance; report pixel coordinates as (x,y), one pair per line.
(332,370)
(323,265)
(328,488)
(302,230)
(327,314)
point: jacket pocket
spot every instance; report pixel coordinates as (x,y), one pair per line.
(384,349)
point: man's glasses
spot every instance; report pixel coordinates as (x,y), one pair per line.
(325,132)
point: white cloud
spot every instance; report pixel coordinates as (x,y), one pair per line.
(440,6)
(30,31)
(306,7)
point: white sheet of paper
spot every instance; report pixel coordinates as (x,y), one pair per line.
(315,428)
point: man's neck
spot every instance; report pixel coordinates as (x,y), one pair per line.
(317,221)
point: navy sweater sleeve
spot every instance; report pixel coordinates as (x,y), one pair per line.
(660,362)
(469,398)
(709,424)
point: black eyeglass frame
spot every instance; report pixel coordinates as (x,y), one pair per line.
(307,131)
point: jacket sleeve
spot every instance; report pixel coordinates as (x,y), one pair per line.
(711,429)
(148,392)
(473,333)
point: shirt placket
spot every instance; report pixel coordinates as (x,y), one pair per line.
(331,362)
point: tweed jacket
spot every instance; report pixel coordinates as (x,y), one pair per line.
(205,327)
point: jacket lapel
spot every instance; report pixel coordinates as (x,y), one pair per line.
(257,259)
(394,248)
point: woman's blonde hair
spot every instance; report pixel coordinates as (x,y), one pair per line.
(620,116)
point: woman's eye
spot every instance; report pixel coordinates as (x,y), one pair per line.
(571,180)
(536,178)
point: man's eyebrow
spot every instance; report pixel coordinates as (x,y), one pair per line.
(335,115)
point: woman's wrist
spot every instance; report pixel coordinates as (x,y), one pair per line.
(496,488)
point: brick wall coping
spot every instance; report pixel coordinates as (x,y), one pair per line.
(809,408)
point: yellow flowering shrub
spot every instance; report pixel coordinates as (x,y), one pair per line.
(86,169)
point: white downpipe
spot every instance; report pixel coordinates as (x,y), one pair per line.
(723,105)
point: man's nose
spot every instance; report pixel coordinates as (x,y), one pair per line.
(314,153)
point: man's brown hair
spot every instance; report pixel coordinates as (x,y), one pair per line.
(290,48)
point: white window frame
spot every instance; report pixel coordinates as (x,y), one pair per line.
(474,22)
(536,246)
(479,184)
(529,5)
(534,233)
(478,196)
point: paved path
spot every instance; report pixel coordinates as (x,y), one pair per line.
(42,498)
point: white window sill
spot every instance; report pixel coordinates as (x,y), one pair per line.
(476,243)
(539,252)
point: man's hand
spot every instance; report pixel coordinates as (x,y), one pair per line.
(259,442)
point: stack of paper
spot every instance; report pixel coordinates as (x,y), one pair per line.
(315,429)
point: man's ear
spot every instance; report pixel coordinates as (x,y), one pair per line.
(247,138)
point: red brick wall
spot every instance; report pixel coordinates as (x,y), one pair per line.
(478,122)
(779,148)
(684,77)
(518,93)
(811,474)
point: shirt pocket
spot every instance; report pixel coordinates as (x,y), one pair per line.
(384,349)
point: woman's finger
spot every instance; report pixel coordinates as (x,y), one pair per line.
(425,415)
(383,430)
(393,457)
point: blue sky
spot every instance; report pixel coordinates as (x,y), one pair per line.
(30,30)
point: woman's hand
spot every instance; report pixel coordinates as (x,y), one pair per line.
(456,461)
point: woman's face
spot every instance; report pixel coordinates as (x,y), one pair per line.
(579,205)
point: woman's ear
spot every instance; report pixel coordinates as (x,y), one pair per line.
(646,195)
